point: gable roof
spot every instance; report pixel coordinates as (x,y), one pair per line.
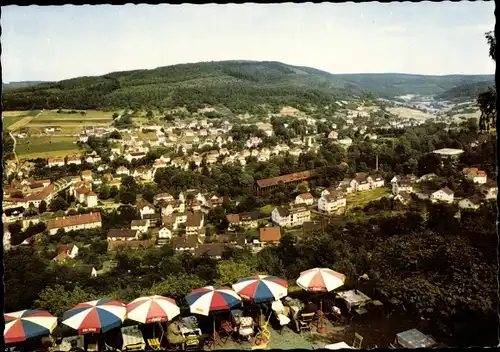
(75,220)
(210,249)
(305,196)
(249,216)
(112,245)
(138,223)
(194,218)
(233,218)
(122,233)
(447,191)
(297,176)
(270,234)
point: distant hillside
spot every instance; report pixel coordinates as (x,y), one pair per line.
(21,84)
(238,85)
(466,91)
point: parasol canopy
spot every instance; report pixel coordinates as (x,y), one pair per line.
(95,316)
(320,280)
(25,324)
(208,299)
(152,309)
(261,288)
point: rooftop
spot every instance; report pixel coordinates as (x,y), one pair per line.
(448,151)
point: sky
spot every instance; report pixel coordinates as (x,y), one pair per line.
(51,43)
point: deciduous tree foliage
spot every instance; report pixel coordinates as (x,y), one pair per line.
(487,100)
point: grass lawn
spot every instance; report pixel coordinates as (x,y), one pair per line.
(361,198)
(46,147)
(267,209)
(92,118)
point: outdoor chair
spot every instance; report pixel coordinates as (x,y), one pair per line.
(226,331)
(305,321)
(358,341)
(154,344)
(109,348)
(133,339)
(280,314)
(192,342)
(246,328)
(93,346)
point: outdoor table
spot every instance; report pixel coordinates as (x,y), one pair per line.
(295,306)
(338,346)
(353,298)
(66,343)
(414,339)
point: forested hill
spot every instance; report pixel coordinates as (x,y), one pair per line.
(20,84)
(466,91)
(238,85)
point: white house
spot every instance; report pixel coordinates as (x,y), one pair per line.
(475,175)
(361,182)
(145,208)
(291,217)
(55,162)
(473,202)
(377,181)
(122,170)
(66,251)
(403,197)
(91,199)
(304,198)
(331,202)
(333,135)
(165,233)
(444,195)
(139,225)
(490,191)
(346,141)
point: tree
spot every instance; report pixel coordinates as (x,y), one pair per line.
(57,204)
(487,100)
(149,114)
(231,271)
(57,299)
(115,115)
(42,208)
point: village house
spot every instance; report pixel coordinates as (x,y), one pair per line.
(402,184)
(122,171)
(163,196)
(304,198)
(143,173)
(74,160)
(475,175)
(211,250)
(473,202)
(134,244)
(67,251)
(185,243)
(194,222)
(377,181)
(489,190)
(140,225)
(403,196)
(444,195)
(92,159)
(145,207)
(269,235)
(237,239)
(87,175)
(122,235)
(174,220)
(332,201)
(265,185)
(165,233)
(77,222)
(345,141)
(361,182)
(134,156)
(291,216)
(333,135)
(55,162)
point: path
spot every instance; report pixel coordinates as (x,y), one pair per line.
(14,139)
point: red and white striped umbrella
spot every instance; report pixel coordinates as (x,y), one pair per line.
(152,309)
(320,280)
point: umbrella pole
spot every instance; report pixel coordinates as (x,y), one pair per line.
(321,328)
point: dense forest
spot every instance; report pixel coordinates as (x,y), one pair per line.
(237,85)
(464,92)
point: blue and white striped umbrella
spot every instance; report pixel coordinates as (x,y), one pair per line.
(261,288)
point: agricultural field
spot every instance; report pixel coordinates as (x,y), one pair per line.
(410,113)
(46,146)
(13,120)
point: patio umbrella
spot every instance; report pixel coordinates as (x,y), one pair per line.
(208,299)
(152,309)
(25,324)
(261,288)
(95,316)
(320,280)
